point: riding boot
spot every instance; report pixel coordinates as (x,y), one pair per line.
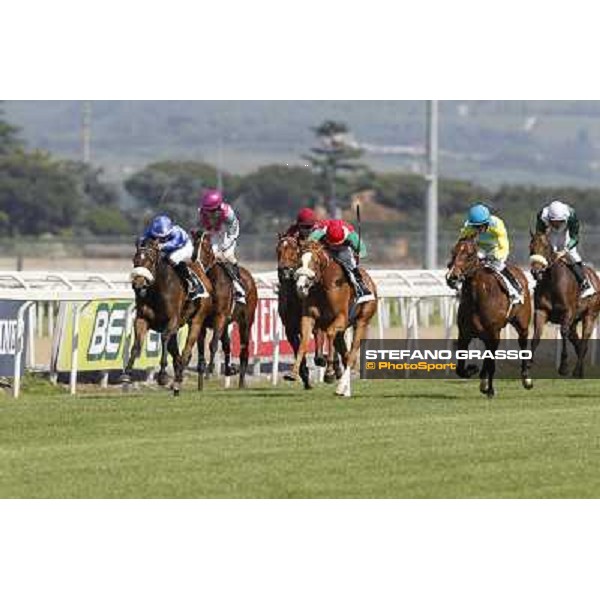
(516,294)
(363,294)
(194,286)
(582,280)
(233,270)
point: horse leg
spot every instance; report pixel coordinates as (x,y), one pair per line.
(486,384)
(465,372)
(244,329)
(140,329)
(194,329)
(162,377)
(173,348)
(200,344)
(226,345)
(582,345)
(565,332)
(218,326)
(523,331)
(540,318)
(320,360)
(307,325)
(341,350)
(337,327)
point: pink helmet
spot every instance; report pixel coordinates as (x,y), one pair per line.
(211,200)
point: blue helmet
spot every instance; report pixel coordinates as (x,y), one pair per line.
(161,226)
(479,214)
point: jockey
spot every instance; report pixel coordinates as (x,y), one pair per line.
(343,243)
(176,246)
(306,222)
(560,222)
(220,222)
(492,241)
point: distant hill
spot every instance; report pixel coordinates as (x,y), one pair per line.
(486,141)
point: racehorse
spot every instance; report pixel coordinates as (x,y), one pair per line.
(484,310)
(328,303)
(161,302)
(290,308)
(556,299)
(225,311)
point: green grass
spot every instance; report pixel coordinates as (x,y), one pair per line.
(403,439)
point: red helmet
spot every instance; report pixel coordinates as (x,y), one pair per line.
(336,233)
(306,216)
(211,200)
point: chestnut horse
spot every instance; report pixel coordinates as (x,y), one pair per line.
(225,311)
(484,310)
(290,308)
(556,299)
(328,304)
(161,303)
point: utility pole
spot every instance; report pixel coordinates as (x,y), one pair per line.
(431,176)
(220,164)
(86,131)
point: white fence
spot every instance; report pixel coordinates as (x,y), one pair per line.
(410,299)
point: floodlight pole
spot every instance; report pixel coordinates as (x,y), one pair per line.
(431,176)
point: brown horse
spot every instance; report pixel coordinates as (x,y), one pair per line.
(484,310)
(328,304)
(290,308)
(556,299)
(225,311)
(162,304)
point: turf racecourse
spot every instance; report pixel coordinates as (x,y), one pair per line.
(402,439)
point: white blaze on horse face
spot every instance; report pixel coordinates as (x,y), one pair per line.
(304,275)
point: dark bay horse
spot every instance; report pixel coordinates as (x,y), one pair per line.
(556,299)
(225,311)
(161,304)
(484,310)
(328,304)
(290,308)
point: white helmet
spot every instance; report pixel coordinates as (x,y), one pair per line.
(558,211)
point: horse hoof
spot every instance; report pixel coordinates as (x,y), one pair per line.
(339,372)
(578,373)
(329,378)
(176,392)
(483,387)
(527,383)
(472,370)
(320,361)
(231,370)
(563,370)
(307,386)
(125,378)
(162,379)
(290,377)
(491,393)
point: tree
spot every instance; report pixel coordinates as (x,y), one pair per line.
(336,153)
(174,187)
(9,142)
(35,195)
(274,193)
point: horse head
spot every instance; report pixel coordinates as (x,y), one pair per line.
(463,262)
(145,264)
(540,254)
(288,257)
(313,261)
